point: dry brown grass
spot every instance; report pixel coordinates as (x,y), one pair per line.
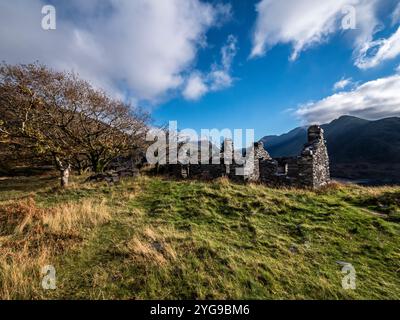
(31,237)
(71,217)
(151,248)
(20,271)
(224,181)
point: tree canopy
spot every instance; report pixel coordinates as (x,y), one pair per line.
(57,114)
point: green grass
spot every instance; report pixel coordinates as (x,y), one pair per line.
(197,240)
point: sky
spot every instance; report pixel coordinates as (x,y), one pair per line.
(267,65)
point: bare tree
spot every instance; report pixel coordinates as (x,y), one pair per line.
(59,115)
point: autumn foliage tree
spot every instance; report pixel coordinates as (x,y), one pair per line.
(59,115)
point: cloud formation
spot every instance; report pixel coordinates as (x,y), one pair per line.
(375,52)
(218,78)
(139,48)
(396,15)
(195,87)
(304,23)
(372,100)
(343,83)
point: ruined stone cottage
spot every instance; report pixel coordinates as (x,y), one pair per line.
(309,169)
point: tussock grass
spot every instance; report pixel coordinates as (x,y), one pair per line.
(31,237)
(153,238)
(71,217)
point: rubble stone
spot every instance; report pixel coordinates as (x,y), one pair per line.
(309,169)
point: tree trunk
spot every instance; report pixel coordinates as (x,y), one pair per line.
(64,175)
(65,171)
(94,164)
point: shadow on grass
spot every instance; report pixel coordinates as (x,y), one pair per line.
(27,183)
(387,203)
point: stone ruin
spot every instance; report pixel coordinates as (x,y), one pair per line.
(308,170)
(119,168)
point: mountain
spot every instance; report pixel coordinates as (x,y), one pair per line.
(358,148)
(287,145)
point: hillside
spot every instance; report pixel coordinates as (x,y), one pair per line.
(156,239)
(358,148)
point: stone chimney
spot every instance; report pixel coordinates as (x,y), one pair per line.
(315,133)
(313,164)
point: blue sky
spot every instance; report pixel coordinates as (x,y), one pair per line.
(267,89)
(268,65)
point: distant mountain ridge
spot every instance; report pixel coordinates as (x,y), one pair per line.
(358,148)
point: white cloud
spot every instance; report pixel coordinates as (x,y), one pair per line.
(375,52)
(396,15)
(136,48)
(304,23)
(220,75)
(372,100)
(218,78)
(228,52)
(341,84)
(195,87)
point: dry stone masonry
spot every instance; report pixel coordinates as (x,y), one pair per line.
(308,170)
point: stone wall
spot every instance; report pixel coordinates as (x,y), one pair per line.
(313,162)
(309,169)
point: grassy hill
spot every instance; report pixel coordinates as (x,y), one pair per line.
(156,239)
